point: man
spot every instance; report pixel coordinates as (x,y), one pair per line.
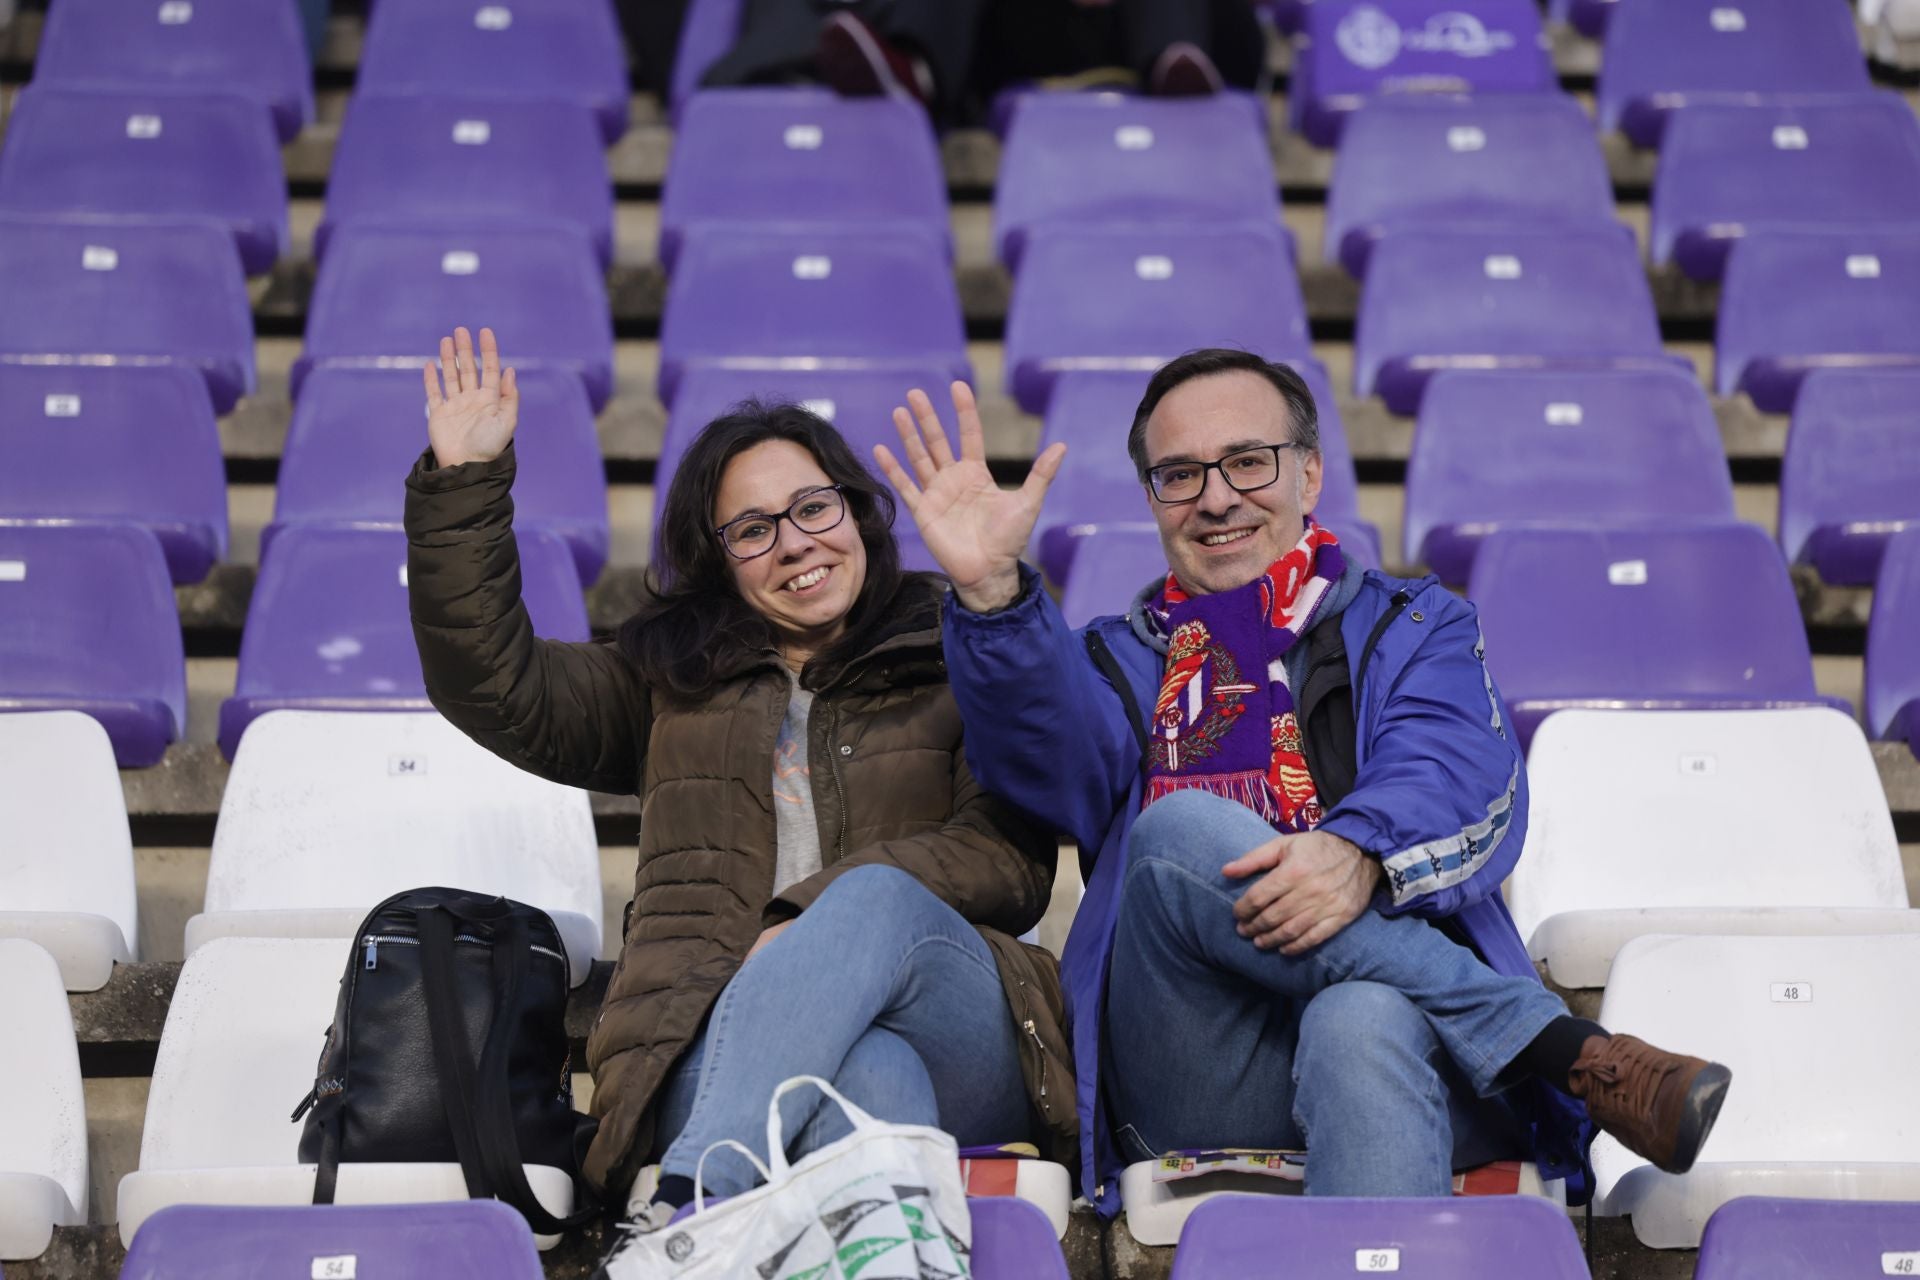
(1300,797)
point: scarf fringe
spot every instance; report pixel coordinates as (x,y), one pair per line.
(1250,789)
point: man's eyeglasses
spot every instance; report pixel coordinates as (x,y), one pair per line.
(1245,470)
(753,535)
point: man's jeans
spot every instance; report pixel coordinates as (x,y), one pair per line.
(879,987)
(1381,1050)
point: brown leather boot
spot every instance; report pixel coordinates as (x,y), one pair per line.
(1659,1105)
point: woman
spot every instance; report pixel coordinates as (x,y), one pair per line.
(822,888)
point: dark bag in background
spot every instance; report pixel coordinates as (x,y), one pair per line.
(449,1044)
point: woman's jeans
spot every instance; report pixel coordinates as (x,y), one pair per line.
(879,987)
(1381,1051)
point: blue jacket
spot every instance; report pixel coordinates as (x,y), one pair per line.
(1440,793)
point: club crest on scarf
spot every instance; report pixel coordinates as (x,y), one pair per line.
(1224,720)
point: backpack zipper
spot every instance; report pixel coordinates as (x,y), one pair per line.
(372,943)
(1401,599)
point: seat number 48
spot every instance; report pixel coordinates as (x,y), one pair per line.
(1900,1264)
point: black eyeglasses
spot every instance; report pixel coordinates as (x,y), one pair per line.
(1244,470)
(815,511)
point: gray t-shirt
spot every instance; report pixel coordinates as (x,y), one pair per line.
(797,854)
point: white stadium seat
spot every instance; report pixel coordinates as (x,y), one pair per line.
(66,858)
(328,813)
(1822,1034)
(242,1039)
(1724,822)
(43,1115)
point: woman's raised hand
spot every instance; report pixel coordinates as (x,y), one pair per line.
(973,528)
(473,420)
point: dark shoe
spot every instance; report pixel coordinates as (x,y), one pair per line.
(1659,1105)
(855,61)
(1183,70)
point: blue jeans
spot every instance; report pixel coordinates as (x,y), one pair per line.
(879,987)
(1381,1050)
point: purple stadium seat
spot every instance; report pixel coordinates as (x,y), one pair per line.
(328,627)
(1588,17)
(824,299)
(1012,1240)
(1352,50)
(1087,159)
(914,555)
(1851,475)
(1662,55)
(859,402)
(1132,298)
(137,444)
(388,294)
(149,152)
(411,160)
(1097,486)
(1607,447)
(242,46)
(1792,303)
(706,33)
(1764,1238)
(1656,619)
(1728,171)
(566,49)
(127,291)
(789,160)
(87,623)
(1893,659)
(1458,1239)
(1518,298)
(481,1239)
(356,433)
(1452,162)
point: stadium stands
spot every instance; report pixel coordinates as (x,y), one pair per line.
(328,626)
(244,47)
(88,623)
(1351,50)
(1012,1240)
(1089,160)
(1823,1105)
(66,859)
(1773,1238)
(1792,303)
(568,50)
(1520,297)
(827,299)
(483,1239)
(1462,162)
(790,160)
(1132,298)
(410,161)
(1700,617)
(388,294)
(43,1117)
(131,443)
(244,1030)
(357,431)
(327,814)
(1605,447)
(1727,171)
(1893,659)
(149,153)
(706,32)
(127,291)
(1711,853)
(1850,477)
(1662,56)
(1444,1239)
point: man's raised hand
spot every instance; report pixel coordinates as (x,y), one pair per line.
(972,527)
(473,419)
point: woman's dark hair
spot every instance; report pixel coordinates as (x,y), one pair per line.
(1207,361)
(696,631)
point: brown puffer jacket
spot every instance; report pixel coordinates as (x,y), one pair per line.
(890,786)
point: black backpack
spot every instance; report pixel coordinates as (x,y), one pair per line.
(449,1043)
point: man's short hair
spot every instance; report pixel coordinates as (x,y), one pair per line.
(1207,361)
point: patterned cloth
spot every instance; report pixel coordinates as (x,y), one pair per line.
(1224,720)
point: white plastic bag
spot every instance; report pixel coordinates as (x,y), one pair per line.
(883,1203)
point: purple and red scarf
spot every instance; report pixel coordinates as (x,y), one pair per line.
(1224,720)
